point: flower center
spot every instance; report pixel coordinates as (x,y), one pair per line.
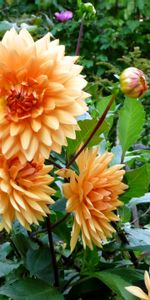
(20,101)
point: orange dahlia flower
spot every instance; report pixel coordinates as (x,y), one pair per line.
(40,96)
(138,292)
(93,196)
(24,192)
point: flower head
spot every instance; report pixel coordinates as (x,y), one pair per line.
(136,291)
(64,16)
(24,192)
(133,82)
(40,96)
(93,196)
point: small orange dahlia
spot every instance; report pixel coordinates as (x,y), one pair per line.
(93,196)
(24,192)
(40,96)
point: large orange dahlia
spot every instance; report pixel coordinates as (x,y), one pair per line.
(93,196)
(24,192)
(40,96)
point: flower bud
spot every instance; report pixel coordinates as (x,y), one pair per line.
(133,82)
(87,10)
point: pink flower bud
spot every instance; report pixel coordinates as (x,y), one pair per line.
(133,82)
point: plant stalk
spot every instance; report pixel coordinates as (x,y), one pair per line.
(99,123)
(53,255)
(77,52)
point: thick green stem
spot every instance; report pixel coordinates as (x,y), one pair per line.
(99,123)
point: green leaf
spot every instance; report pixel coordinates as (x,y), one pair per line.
(125,214)
(140,200)
(86,127)
(138,182)
(7,266)
(102,104)
(23,243)
(5,249)
(138,238)
(130,123)
(30,289)
(118,279)
(38,262)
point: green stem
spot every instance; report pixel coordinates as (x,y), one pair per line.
(99,123)
(53,255)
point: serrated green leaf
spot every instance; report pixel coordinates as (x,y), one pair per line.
(86,127)
(138,182)
(130,123)
(30,289)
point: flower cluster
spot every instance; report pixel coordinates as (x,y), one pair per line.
(93,196)
(40,97)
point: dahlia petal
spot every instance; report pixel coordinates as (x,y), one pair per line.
(35,206)
(55,87)
(45,136)
(71,204)
(26,137)
(4,132)
(19,199)
(86,212)
(91,225)
(86,242)
(77,81)
(3,203)
(32,148)
(7,144)
(26,36)
(20,189)
(13,151)
(74,235)
(42,43)
(147,281)
(51,122)
(21,219)
(4,186)
(8,217)
(85,230)
(136,291)
(9,37)
(65,117)
(14,204)
(69,131)
(15,128)
(76,109)
(44,151)
(59,137)
(40,195)
(36,125)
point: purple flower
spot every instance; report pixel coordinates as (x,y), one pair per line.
(64,16)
